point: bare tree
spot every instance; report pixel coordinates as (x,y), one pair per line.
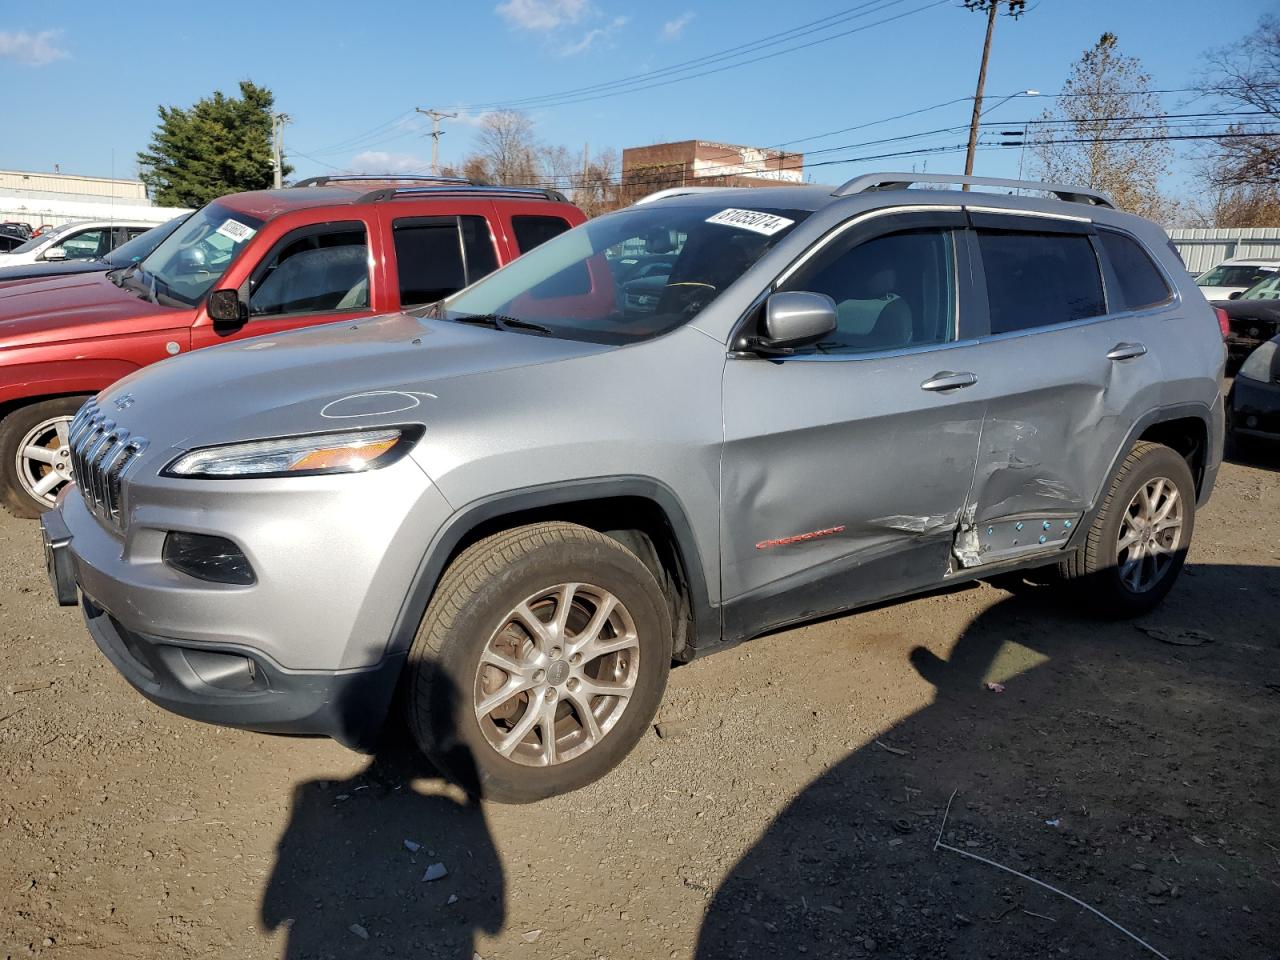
(509,148)
(1107,133)
(1247,75)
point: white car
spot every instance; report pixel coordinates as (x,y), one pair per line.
(81,240)
(1235,276)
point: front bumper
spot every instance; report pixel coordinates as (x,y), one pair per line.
(1255,408)
(237,687)
(306,648)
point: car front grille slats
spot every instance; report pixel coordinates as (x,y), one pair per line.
(101,453)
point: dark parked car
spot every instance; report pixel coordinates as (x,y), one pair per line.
(124,255)
(1254,401)
(1253,318)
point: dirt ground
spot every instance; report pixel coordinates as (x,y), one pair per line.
(793,807)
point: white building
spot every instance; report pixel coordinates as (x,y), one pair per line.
(55,198)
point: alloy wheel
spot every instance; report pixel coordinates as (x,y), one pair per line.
(1150,535)
(557,674)
(43,459)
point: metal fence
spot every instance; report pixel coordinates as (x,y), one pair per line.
(1205,247)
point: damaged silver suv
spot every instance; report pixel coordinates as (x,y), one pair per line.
(670,429)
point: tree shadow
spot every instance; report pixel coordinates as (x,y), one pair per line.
(346,882)
(1116,764)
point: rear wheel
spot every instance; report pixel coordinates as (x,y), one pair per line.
(35,459)
(1138,542)
(539,663)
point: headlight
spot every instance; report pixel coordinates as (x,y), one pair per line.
(349,452)
(1261,363)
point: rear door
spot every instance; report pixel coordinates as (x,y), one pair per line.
(1065,369)
(436,256)
(846,466)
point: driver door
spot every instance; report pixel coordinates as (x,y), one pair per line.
(846,466)
(315,274)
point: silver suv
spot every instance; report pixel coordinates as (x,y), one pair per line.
(704,417)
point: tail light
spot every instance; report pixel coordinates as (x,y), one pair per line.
(1224,322)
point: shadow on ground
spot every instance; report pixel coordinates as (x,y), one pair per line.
(344,883)
(1098,770)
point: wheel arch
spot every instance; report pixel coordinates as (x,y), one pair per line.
(641,512)
(1186,428)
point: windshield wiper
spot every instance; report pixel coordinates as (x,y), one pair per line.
(500,322)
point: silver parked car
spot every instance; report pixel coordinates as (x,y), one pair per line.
(518,506)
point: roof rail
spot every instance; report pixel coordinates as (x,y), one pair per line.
(465,188)
(678,192)
(375,177)
(901,181)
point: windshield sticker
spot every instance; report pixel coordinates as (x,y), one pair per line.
(236,231)
(753,220)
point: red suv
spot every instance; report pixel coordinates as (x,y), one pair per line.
(327,249)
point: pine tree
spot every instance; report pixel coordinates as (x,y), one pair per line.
(217,146)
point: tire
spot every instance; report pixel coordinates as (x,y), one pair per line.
(1102,569)
(35,425)
(473,614)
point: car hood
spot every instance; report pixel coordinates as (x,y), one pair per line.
(44,271)
(337,376)
(1242,309)
(61,308)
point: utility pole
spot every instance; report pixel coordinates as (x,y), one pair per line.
(436,133)
(278,120)
(992,9)
(586,169)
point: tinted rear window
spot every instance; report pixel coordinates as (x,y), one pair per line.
(1036,280)
(1141,284)
(439,256)
(531,231)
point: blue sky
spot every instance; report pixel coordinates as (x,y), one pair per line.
(79,83)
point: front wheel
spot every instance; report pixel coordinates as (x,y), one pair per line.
(35,459)
(1139,540)
(539,663)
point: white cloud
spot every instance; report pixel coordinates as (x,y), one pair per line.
(542,15)
(592,37)
(33,49)
(380,161)
(672,29)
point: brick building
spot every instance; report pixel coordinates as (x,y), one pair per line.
(707,164)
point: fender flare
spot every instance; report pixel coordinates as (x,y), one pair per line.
(707,626)
(1180,411)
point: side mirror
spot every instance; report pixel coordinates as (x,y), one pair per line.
(224,306)
(795,319)
(54,253)
(1235,295)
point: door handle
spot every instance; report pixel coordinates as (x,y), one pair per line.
(946,380)
(1127,351)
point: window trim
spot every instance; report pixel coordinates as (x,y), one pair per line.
(984,335)
(914,217)
(1110,275)
(312,229)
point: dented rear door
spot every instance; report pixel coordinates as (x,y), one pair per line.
(1064,379)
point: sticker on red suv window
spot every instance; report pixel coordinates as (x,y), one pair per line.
(236,231)
(753,220)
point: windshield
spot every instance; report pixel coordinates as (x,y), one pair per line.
(1235,275)
(625,277)
(44,238)
(1268,289)
(185,266)
(141,246)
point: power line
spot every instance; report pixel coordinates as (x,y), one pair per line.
(769,56)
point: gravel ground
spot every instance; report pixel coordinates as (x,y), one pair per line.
(792,807)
